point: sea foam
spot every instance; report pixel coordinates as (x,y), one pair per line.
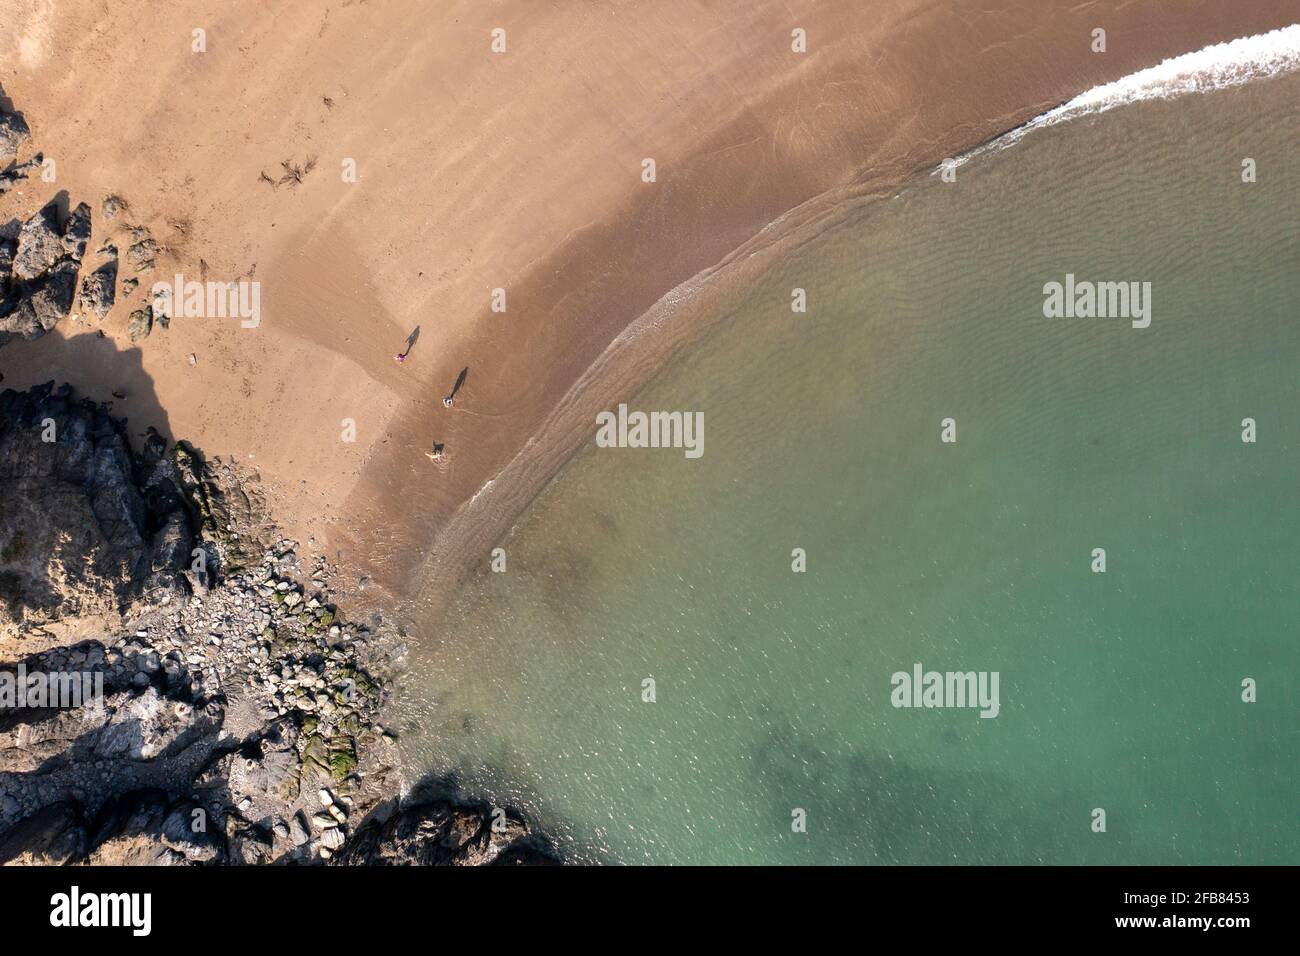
(1211,68)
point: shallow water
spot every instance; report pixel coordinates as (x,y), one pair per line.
(1119,691)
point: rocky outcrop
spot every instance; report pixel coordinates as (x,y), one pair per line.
(86,526)
(242,727)
(232,715)
(230,706)
(39,267)
(443,833)
(141,828)
(148,828)
(38,273)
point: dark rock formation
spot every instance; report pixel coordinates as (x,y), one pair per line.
(78,535)
(13,133)
(140,324)
(146,828)
(111,205)
(98,290)
(38,273)
(53,836)
(38,276)
(234,718)
(40,244)
(8,293)
(442,833)
(17,172)
(140,828)
(142,253)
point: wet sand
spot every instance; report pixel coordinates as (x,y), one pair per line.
(475,171)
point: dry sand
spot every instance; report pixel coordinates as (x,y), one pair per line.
(478,170)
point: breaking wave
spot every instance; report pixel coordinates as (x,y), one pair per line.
(1212,68)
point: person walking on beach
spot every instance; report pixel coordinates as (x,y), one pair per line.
(449,399)
(411,339)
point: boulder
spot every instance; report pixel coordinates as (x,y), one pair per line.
(40,244)
(76,233)
(98,290)
(38,279)
(142,253)
(441,833)
(44,302)
(139,324)
(299,832)
(111,205)
(249,843)
(151,725)
(13,133)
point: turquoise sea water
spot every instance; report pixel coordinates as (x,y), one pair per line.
(1119,691)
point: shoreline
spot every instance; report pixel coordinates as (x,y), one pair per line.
(689,311)
(825,435)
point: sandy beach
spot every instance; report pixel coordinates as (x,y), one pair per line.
(478,170)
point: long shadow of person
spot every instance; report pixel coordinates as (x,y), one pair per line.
(460,380)
(410,344)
